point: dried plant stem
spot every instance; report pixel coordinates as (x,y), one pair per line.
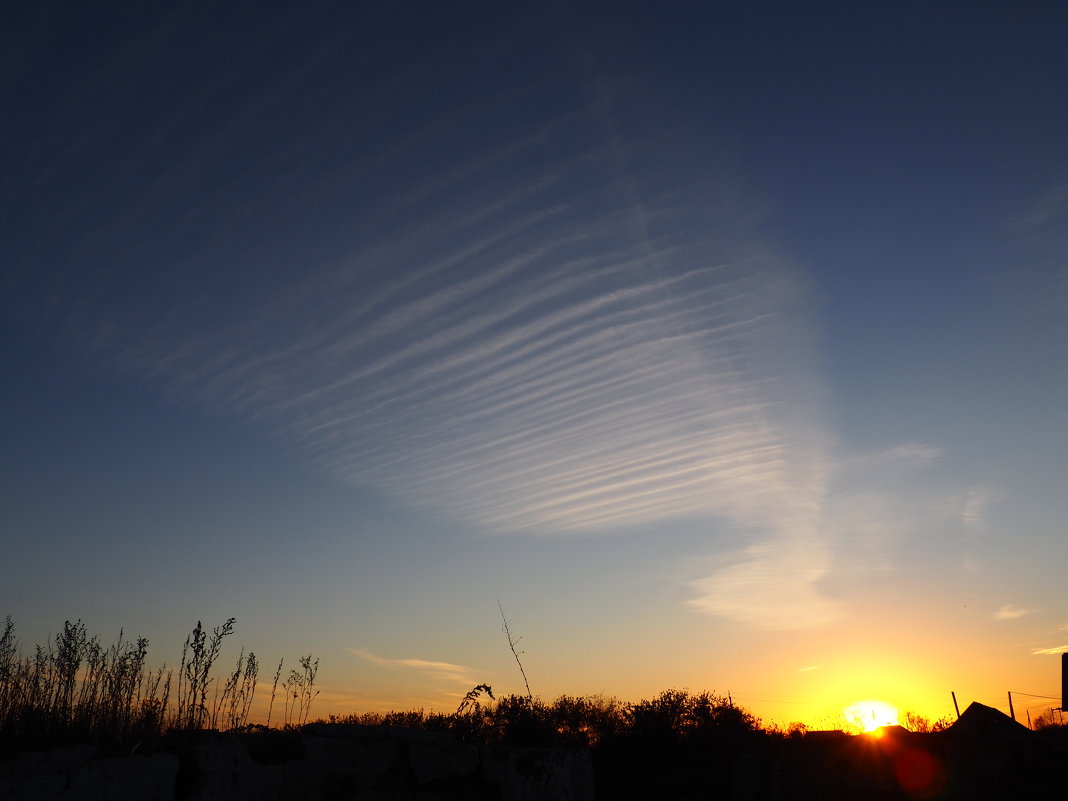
(274,691)
(512,643)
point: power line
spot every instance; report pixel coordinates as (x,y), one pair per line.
(774,700)
(1032,695)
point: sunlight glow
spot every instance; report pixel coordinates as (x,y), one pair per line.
(869,715)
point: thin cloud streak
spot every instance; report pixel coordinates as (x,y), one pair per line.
(1010,612)
(1050,206)
(1060,649)
(445,671)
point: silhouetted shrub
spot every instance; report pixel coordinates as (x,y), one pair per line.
(675,718)
(588,721)
(522,721)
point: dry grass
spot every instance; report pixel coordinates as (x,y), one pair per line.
(74,689)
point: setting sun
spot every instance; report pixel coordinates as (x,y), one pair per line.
(869,715)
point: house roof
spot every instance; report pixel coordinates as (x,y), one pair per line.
(982,720)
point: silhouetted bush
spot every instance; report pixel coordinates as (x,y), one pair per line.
(590,720)
(523,721)
(675,719)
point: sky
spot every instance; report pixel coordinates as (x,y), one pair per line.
(725,346)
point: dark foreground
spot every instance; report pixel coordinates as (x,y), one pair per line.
(836,767)
(338,762)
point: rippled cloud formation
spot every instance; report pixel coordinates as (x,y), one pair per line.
(508,312)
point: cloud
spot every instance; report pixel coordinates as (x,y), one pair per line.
(445,671)
(546,392)
(525,342)
(808,668)
(1060,649)
(774,587)
(1009,612)
(889,463)
(522,342)
(976,504)
(875,501)
(1052,204)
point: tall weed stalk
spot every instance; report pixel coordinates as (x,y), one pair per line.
(74,689)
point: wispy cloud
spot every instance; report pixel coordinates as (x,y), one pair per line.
(1060,649)
(876,501)
(976,504)
(888,463)
(1052,204)
(539,368)
(550,372)
(775,586)
(524,337)
(808,668)
(567,353)
(1010,612)
(444,671)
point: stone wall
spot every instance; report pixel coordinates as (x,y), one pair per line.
(323,762)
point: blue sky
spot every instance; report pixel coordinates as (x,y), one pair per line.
(724,345)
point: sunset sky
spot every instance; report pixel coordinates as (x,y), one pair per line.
(726,345)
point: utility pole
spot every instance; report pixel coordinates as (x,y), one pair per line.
(1064,681)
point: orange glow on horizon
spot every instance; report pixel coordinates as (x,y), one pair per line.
(869,715)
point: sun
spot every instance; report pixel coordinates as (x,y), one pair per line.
(869,715)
